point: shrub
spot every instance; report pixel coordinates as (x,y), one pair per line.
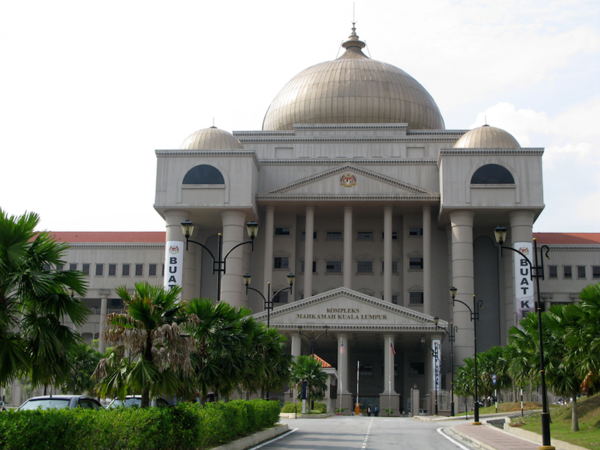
(321,407)
(186,426)
(290,407)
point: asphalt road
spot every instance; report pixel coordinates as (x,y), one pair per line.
(341,433)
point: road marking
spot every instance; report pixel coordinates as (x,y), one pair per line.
(440,430)
(367,434)
(275,439)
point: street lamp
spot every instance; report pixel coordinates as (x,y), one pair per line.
(219,263)
(312,338)
(436,355)
(477,304)
(537,272)
(452,336)
(268,304)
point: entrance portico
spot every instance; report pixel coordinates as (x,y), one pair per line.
(362,336)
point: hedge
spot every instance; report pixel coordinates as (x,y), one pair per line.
(184,427)
(290,407)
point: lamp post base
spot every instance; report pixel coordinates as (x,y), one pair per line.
(476,423)
(546,447)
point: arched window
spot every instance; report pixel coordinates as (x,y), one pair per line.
(492,174)
(203,174)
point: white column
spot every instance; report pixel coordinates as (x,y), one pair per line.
(246,269)
(387,254)
(190,284)
(296,344)
(269,232)
(308,250)
(463,280)
(103,307)
(449,261)
(388,365)
(343,362)
(232,285)
(427,309)
(347,268)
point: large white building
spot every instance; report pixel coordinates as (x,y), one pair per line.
(361,192)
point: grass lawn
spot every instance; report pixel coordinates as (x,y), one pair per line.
(507,407)
(588,435)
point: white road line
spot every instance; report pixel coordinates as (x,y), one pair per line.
(367,433)
(275,439)
(440,430)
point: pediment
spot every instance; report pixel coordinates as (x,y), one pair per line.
(349,181)
(345,309)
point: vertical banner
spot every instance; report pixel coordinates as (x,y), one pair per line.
(174,264)
(435,346)
(524,302)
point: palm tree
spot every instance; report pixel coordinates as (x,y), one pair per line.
(83,364)
(309,369)
(151,331)
(35,298)
(586,336)
(523,353)
(464,381)
(490,363)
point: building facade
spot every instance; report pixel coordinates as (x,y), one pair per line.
(361,192)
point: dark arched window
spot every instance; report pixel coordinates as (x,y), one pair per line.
(492,174)
(203,174)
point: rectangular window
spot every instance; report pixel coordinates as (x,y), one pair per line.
(99,269)
(553,271)
(112,270)
(365,235)
(139,270)
(580,271)
(125,271)
(334,235)
(281,262)
(415,232)
(73,266)
(282,231)
(282,297)
(416,298)
(85,268)
(394,267)
(152,270)
(163,270)
(59,267)
(394,235)
(304,235)
(46,267)
(416,263)
(567,272)
(417,368)
(595,271)
(395,299)
(365,266)
(333,267)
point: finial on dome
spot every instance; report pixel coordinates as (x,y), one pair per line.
(353,40)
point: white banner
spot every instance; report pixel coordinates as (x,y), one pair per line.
(174,264)
(437,379)
(524,302)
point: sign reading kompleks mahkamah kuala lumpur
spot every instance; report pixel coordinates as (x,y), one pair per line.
(174,264)
(524,302)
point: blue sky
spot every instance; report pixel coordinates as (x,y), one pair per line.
(88,90)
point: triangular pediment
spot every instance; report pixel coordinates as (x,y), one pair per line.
(345,309)
(348,181)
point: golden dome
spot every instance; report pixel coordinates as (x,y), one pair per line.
(487,137)
(353,89)
(211,139)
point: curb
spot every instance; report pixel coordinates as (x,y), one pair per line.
(255,439)
(466,438)
(537,438)
(307,416)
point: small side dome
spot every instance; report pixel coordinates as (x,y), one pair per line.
(211,139)
(487,137)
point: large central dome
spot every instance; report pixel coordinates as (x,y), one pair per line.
(353,89)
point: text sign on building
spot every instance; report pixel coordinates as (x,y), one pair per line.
(523,282)
(174,264)
(437,357)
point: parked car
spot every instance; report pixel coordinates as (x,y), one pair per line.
(61,402)
(136,400)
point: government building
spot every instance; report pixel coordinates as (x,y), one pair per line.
(361,192)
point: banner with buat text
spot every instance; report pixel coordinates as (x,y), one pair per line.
(174,264)
(524,302)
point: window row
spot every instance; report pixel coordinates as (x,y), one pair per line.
(338,235)
(336,266)
(126,269)
(567,272)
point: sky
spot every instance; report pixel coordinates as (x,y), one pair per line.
(89,90)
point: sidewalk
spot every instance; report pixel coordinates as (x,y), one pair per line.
(491,438)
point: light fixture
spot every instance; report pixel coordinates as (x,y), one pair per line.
(453,291)
(436,320)
(500,234)
(291,278)
(247,279)
(252,228)
(187,228)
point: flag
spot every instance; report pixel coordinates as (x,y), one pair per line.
(393,351)
(342,350)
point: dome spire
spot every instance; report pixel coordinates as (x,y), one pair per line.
(353,40)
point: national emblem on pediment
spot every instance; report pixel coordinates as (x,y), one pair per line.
(348,180)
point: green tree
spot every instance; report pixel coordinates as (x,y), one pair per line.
(490,363)
(586,337)
(309,369)
(151,330)
(35,297)
(84,360)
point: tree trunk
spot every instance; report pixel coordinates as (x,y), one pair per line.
(148,357)
(574,419)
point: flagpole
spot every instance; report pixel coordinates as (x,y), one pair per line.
(357,381)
